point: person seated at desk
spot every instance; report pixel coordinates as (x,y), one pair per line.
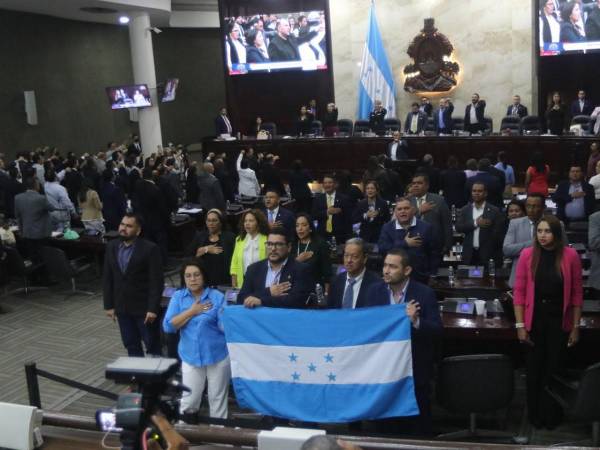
(248,183)
(349,289)
(397,149)
(332,211)
(278,216)
(415,236)
(483,226)
(516,109)
(442,118)
(330,119)
(304,122)
(377,117)
(398,287)
(372,213)
(575,198)
(309,248)
(214,247)
(256,126)
(416,120)
(548,296)
(195,312)
(249,245)
(279,281)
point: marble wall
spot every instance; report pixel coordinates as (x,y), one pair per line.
(493,43)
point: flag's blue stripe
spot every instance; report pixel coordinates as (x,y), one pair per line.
(331,328)
(365,103)
(375,46)
(327,402)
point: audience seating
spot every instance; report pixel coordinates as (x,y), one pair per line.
(270,127)
(361,126)
(316,127)
(391,124)
(473,384)
(60,267)
(511,123)
(581,396)
(23,269)
(458,123)
(531,125)
(345,126)
(584,121)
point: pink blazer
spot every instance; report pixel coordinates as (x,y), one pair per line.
(524,288)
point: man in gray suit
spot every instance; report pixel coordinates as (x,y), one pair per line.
(211,195)
(594,248)
(32,211)
(432,208)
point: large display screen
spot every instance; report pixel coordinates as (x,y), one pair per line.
(569,27)
(266,43)
(137,96)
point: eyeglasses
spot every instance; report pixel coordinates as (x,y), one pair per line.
(193,275)
(276,244)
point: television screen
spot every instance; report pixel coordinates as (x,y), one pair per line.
(137,96)
(568,27)
(170,90)
(266,43)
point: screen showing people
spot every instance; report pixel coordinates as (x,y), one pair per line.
(170,90)
(275,42)
(137,96)
(569,27)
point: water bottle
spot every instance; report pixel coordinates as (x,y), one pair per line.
(492,268)
(333,247)
(451,275)
(320,295)
(497,309)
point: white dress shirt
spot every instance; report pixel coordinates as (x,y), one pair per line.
(473,115)
(248,185)
(250,255)
(477,213)
(357,284)
(393,150)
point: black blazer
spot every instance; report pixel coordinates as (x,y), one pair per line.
(139,289)
(221,126)
(370,229)
(447,116)
(479,112)
(298,274)
(401,150)
(320,262)
(149,201)
(452,183)
(287,219)
(426,108)
(424,339)
(568,33)
(271,179)
(304,127)
(562,197)
(521,110)
(421,122)
(200,239)
(592,25)
(298,182)
(490,238)
(376,120)
(254,55)
(338,285)
(556,119)
(588,108)
(342,222)
(114,205)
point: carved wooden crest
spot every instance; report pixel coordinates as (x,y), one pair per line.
(432,70)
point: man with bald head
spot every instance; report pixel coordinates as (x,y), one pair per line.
(210,193)
(284,45)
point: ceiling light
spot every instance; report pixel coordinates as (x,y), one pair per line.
(123,20)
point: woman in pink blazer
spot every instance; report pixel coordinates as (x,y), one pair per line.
(548,295)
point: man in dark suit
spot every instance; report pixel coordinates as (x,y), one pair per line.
(149,202)
(416,120)
(135,148)
(415,236)
(284,46)
(574,197)
(516,109)
(10,187)
(426,106)
(113,200)
(223,124)
(592,24)
(397,149)
(349,289)
(270,176)
(398,287)
(581,106)
(483,226)
(278,216)
(474,112)
(493,182)
(132,287)
(210,193)
(442,118)
(278,281)
(332,211)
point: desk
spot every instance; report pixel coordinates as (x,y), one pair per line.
(321,155)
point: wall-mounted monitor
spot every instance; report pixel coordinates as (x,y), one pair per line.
(264,43)
(568,27)
(170,89)
(135,96)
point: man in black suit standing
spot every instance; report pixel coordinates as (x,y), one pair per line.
(270,175)
(397,149)
(223,124)
(582,106)
(474,112)
(284,46)
(333,211)
(135,148)
(442,119)
(132,287)
(349,289)
(426,106)
(416,120)
(278,281)
(278,216)
(516,109)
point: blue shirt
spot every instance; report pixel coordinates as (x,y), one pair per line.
(509,173)
(124,253)
(441,119)
(273,275)
(201,340)
(575,209)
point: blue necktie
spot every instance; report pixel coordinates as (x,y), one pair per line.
(349,294)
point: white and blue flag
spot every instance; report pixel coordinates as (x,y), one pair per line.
(322,366)
(376,79)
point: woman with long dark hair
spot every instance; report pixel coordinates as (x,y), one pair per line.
(308,247)
(548,296)
(249,245)
(372,213)
(536,177)
(556,115)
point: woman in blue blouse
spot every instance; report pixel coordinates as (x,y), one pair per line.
(195,311)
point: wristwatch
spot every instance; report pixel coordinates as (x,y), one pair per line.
(519,325)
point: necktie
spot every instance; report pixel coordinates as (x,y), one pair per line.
(414,123)
(349,294)
(270,216)
(329,226)
(227,124)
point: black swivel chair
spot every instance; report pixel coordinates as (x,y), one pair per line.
(430,127)
(584,121)
(316,128)
(391,124)
(24,269)
(488,123)
(473,384)
(581,396)
(361,126)
(458,123)
(60,267)
(345,126)
(531,125)
(270,127)
(511,123)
